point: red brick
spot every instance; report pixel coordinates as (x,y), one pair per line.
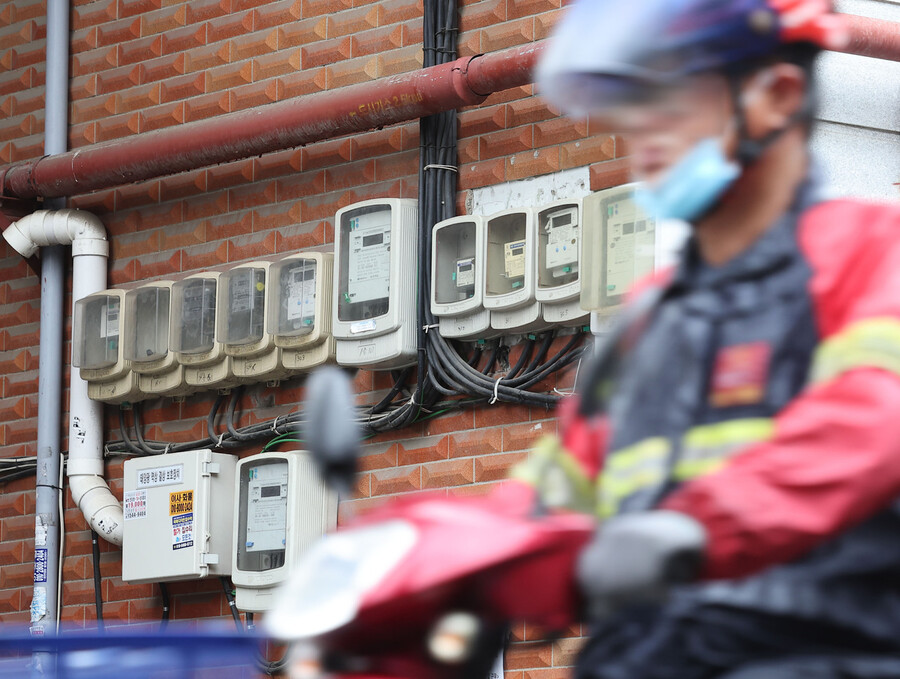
(182,87)
(162,20)
(251,246)
(586,151)
(528,655)
(533,163)
(478,15)
(93,14)
(481,441)
(496,467)
(229,26)
(325,52)
(157,265)
(10,600)
(378,456)
(187,606)
(277,64)
(389,481)
(422,450)
(354,22)
(482,174)
(505,142)
(376,40)
(545,23)
(137,98)
(300,33)
(566,650)
(228,175)
(352,72)
(181,39)
(610,173)
(251,195)
(303,236)
(205,256)
(319,7)
(305,82)
(18,575)
(447,473)
(277,13)
(509,34)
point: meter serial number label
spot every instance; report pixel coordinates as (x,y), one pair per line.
(181,502)
(160,476)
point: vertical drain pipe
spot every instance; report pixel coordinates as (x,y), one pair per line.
(44,611)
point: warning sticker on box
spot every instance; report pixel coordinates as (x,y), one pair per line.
(160,476)
(182,531)
(181,502)
(134,504)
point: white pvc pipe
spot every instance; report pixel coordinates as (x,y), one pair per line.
(90,250)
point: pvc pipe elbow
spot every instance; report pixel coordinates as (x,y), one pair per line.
(99,506)
(82,230)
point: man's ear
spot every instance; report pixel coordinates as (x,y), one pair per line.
(772,97)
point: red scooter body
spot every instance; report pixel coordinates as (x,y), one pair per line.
(493,557)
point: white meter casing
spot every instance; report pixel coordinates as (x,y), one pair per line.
(178,511)
(193,333)
(559,228)
(619,247)
(241,323)
(300,297)
(509,280)
(281,507)
(375,292)
(457,278)
(98,348)
(147,323)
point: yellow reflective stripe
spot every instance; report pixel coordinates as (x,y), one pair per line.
(629,470)
(706,448)
(557,477)
(873,343)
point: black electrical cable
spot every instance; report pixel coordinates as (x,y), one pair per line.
(98,598)
(123,432)
(234,611)
(149,449)
(164,593)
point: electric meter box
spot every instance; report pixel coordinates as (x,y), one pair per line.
(193,333)
(178,513)
(282,506)
(147,322)
(559,228)
(241,323)
(509,283)
(98,348)
(619,247)
(457,273)
(300,296)
(375,294)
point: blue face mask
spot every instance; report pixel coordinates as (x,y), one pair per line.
(691,186)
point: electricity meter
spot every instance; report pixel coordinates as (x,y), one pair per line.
(509,284)
(193,333)
(147,322)
(375,295)
(558,261)
(177,511)
(457,270)
(282,507)
(241,315)
(300,304)
(98,350)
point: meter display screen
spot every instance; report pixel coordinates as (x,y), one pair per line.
(454,262)
(96,332)
(195,309)
(365,267)
(262,520)
(245,295)
(297,298)
(149,314)
(630,242)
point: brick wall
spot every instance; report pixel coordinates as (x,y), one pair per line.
(140,65)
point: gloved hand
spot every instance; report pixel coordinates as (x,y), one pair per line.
(636,558)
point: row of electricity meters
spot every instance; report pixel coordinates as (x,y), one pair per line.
(198,514)
(516,271)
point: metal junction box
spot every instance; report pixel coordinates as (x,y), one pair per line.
(178,516)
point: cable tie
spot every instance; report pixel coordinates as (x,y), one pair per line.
(436,166)
(426,328)
(168,447)
(275,424)
(496,396)
(221,438)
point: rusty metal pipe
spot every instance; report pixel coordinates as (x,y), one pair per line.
(324,115)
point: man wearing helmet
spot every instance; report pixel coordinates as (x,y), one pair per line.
(752,443)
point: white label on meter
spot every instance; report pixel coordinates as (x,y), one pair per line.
(514,258)
(369,257)
(267,507)
(301,301)
(241,291)
(160,476)
(465,272)
(627,250)
(109,321)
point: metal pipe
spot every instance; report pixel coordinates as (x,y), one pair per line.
(303,120)
(47,557)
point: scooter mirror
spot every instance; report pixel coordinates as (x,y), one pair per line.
(331,430)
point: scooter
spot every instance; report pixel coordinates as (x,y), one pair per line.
(424,586)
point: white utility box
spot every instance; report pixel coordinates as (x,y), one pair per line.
(375,292)
(282,506)
(193,333)
(178,511)
(241,318)
(457,278)
(559,228)
(509,283)
(147,323)
(619,247)
(98,348)
(300,303)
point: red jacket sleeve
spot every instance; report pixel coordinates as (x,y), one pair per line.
(834,459)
